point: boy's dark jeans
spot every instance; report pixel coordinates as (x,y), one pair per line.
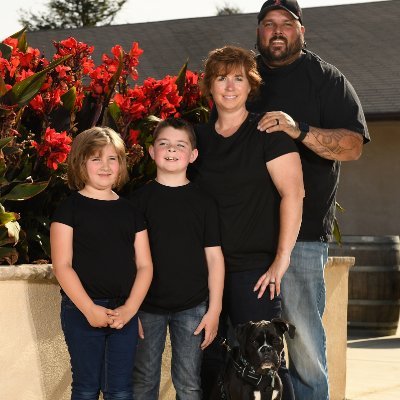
(186,353)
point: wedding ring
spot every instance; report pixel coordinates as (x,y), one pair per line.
(272,283)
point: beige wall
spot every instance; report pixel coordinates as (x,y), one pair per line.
(369,188)
(34,360)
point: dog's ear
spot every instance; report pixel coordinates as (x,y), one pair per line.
(284,326)
(241,332)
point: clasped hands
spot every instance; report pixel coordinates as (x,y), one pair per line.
(101,317)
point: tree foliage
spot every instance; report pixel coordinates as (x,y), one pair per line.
(227,9)
(72,14)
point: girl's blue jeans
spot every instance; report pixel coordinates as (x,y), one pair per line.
(101,358)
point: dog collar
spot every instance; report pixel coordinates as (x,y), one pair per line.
(260,381)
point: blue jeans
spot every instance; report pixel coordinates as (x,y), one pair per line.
(186,354)
(303,304)
(240,305)
(101,358)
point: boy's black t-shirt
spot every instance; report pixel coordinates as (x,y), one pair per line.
(233,170)
(103,243)
(181,222)
(313,91)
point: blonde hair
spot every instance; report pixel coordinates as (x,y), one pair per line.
(88,143)
(228,59)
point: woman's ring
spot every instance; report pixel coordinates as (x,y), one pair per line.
(277,121)
(272,283)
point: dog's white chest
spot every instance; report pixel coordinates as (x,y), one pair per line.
(257,395)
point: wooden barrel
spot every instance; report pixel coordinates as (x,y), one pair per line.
(374,283)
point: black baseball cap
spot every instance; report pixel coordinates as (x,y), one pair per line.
(289,5)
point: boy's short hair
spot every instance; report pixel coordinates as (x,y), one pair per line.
(177,123)
(88,143)
(228,59)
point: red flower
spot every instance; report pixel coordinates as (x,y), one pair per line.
(102,75)
(133,136)
(55,147)
(192,95)
(162,95)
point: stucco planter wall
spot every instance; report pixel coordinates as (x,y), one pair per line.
(34,359)
(335,322)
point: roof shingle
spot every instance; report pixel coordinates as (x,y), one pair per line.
(362,40)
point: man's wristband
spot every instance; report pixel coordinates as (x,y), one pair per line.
(304,129)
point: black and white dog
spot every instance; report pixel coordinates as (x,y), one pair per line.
(251,372)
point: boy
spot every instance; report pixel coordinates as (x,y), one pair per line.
(188,267)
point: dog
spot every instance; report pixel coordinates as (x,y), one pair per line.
(251,371)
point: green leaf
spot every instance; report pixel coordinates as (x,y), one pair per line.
(339,207)
(25,191)
(6,217)
(336,232)
(5,141)
(22,43)
(68,99)
(18,34)
(114,111)
(181,79)
(6,50)
(24,91)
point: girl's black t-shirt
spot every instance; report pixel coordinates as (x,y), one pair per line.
(103,243)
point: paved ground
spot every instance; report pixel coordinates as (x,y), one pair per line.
(373,368)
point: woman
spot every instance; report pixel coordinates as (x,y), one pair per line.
(256,179)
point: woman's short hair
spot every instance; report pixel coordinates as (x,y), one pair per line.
(176,123)
(228,59)
(88,143)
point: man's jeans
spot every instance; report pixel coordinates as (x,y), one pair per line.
(303,304)
(101,358)
(186,354)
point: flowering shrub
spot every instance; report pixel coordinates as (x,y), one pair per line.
(44,104)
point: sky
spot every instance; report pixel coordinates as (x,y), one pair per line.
(155,10)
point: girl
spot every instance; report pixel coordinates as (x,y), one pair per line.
(101,259)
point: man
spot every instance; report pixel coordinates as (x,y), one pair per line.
(314,104)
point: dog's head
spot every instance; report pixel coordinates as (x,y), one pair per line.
(261,343)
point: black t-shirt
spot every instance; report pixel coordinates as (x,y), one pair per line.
(181,221)
(311,90)
(233,170)
(103,243)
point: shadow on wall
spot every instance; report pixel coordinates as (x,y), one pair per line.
(44,304)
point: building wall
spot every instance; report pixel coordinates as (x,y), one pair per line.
(369,188)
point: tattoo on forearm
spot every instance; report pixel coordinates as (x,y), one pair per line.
(330,144)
